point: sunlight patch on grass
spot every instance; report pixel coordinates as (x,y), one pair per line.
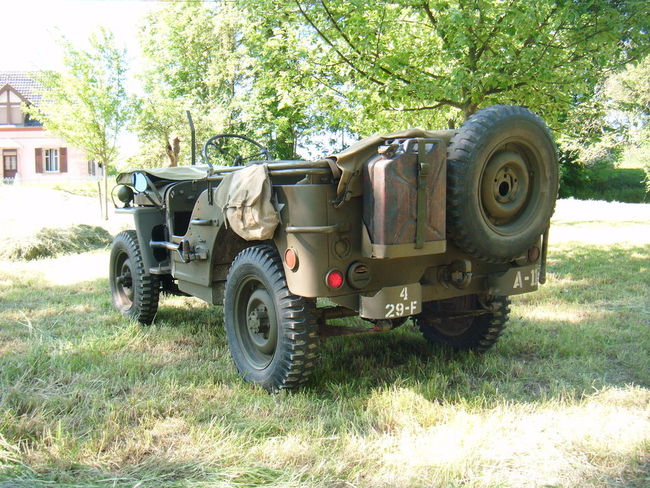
(63,270)
(601,235)
(401,409)
(520,445)
(89,399)
(571,315)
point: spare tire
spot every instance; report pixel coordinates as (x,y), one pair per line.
(502,183)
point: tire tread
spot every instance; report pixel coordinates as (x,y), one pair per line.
(299,328)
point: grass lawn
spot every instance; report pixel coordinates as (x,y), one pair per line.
(88,399)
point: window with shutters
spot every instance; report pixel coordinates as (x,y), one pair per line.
(51,160)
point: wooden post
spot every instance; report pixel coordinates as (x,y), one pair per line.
(99,193)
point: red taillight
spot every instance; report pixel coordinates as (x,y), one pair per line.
(291,259)
(334,279)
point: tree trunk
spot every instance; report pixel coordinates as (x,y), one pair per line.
(101,201)
(105,191)
(468,109)
(173,150)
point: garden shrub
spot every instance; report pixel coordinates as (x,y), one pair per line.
(602,182)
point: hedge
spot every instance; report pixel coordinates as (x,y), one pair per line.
(603,183)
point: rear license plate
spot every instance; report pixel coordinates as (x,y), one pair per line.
(514,281)
(392,302)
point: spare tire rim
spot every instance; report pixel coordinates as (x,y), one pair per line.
(507,191)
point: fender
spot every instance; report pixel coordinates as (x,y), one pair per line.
(212,244)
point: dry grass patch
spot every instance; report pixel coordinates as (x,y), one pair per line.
(49,242)
(88,399)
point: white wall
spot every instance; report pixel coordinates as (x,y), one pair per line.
(26,140)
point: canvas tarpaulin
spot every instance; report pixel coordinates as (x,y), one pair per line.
(347,164)
(245,197)
(175,173)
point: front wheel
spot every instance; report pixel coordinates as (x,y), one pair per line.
(272,334)
(134,291)
(464,323)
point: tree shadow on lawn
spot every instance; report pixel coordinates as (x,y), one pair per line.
(584,330)
(88,371)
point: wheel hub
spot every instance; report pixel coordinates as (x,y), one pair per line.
(258,320)
(257,326)
(504,188)
(124,280)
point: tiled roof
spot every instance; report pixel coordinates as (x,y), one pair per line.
(24,82)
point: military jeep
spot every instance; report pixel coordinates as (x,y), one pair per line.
(438,226)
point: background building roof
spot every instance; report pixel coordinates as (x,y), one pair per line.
(24,82)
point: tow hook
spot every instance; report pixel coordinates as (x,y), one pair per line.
(383,325)
(457,274)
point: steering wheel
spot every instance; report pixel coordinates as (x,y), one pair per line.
(217,144)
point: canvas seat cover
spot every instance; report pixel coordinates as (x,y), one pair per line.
(245,197)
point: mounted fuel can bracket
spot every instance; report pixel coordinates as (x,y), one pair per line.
(404,199)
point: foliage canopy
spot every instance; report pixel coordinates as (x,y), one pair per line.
(229,69)
(282,69)
(445,59)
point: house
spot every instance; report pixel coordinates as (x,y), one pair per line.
(31,154)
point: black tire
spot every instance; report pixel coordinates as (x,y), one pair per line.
(478,333)
(272,334)
(134,291)
(502,182)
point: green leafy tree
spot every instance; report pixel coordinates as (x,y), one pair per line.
(188,67)
(86,104)
(159,124)
(629,95)
(229,65)
(615,119)
(629,92)
(428,62)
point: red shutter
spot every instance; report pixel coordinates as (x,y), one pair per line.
(39,160)
(63,159)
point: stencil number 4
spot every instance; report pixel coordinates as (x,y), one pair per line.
(404,294)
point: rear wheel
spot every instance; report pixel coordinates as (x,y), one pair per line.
(502,183)
(463,323)
(134,291)
(272,334)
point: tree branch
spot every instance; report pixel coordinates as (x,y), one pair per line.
(441,103)
(336,50)
(484,45)
(355,49)
(434,22)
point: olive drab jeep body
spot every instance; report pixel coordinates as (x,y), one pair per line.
(441,227)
